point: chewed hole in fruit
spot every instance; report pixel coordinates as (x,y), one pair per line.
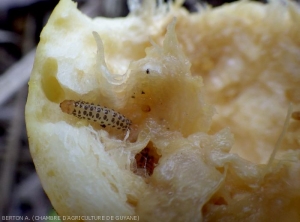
(50,85)
(220,201)
(132,200)
(296,115)
(147,160)
(145,108)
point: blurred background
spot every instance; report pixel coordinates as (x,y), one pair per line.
(21,22)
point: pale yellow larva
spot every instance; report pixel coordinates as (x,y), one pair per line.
(95,113)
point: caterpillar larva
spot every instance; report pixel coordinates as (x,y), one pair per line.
(95,113)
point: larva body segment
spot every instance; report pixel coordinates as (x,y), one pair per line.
(95,113)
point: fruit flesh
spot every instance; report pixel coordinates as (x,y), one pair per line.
(88,171)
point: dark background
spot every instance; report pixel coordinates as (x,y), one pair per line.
(21,22)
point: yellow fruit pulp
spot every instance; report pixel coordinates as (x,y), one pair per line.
(196,155)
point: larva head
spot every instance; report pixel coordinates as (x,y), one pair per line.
(67,106)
